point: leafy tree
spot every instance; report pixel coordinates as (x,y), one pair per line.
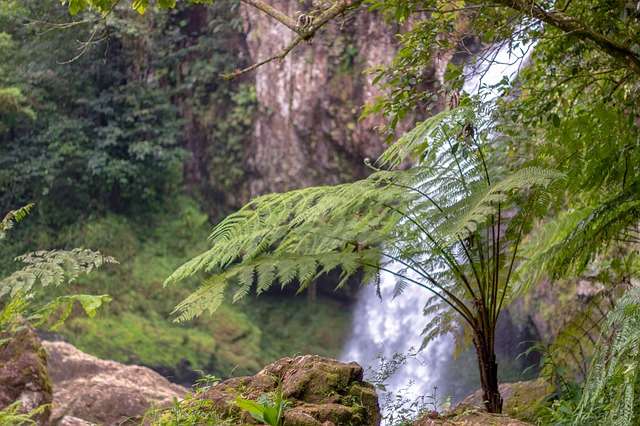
(86,133)
(123,121)
(451,225)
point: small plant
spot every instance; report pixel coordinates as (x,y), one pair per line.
(13,415)
(205,382)
(397,408)
(191,411)
(267,409)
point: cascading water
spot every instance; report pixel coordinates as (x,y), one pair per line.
(385,326)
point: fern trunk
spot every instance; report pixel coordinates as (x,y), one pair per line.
(488,373)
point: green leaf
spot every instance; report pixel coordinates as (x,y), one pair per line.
(255,409)
(140,6)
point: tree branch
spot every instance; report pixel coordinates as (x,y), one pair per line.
(304,32)
(570,25)
(283,18)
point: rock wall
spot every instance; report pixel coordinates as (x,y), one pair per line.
(304,128)
(307,130)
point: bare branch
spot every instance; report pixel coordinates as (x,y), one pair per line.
(304,33)
(280,56)
(283,18)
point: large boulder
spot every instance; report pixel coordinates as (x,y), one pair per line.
(471,418)
(521,399)
(23,372)
(89,389)
(321,392)
(521,402)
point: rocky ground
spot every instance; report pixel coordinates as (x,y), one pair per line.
(85,390)
(103,392)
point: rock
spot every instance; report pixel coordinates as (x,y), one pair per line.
(23,372)
(473,418)
(73,421)
(321,392)
(105,392)
(521,399)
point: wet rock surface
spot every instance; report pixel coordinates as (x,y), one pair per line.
(90,390)
(321,391)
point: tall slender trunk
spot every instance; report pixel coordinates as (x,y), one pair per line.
(312,293)
(488,373)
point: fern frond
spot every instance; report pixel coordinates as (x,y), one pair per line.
(264,271)
(567,244)
(13,217)
(475,210)
(611,391)
(51,268)
(208,297)
(56,312)
(422,139)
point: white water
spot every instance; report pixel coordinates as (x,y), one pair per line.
(386,326)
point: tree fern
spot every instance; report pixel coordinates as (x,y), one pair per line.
(566,244)
(450,225)
(611,394)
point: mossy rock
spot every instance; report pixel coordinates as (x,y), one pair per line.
(522,400)
(469,418)
(23,372)
(321,392)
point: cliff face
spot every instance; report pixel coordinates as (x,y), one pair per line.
(290,123)
(307,130)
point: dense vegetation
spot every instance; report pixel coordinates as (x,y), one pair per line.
(101,144)
(484,203)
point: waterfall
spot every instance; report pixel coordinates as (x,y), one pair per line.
(387,326)
(384,326)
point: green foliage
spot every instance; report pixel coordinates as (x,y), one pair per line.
(13,217)
(110,136)
(612,389)
(440,225)
(193,410)
(12,415)
(13,107)
(114,121)
(268,409)
(106,6)
(44,269)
